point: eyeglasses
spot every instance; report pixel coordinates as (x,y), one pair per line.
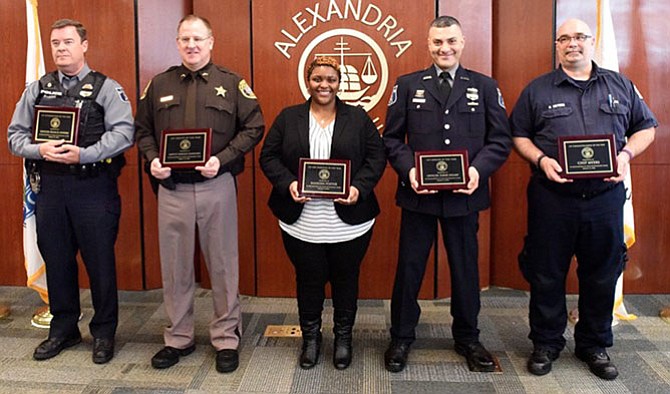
(196,40)
(568,39)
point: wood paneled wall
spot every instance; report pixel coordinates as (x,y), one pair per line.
(513,41)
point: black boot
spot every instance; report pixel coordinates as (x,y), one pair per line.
(311,340)
(342,328)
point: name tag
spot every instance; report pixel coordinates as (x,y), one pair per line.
(418,100)
(166,98)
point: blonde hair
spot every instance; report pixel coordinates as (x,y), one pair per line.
(324,61)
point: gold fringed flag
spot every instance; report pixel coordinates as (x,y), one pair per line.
(35,269)
(606,57)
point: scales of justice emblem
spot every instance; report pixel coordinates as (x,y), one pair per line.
(362,84)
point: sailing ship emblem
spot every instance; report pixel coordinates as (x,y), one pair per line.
(362,65)
(352,85)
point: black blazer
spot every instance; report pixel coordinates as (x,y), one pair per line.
(355,138)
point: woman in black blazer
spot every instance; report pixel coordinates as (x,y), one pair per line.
(325,239)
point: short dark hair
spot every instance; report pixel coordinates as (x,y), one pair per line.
(61,23)
(445,21)
(193,17)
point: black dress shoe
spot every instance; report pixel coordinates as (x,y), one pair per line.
(479,359)
(395,357)
(52,346)
(599,363)
(169,356)
(103,350)
(227,360)
(539,362)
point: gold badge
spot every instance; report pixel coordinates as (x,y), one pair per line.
(54,123)
(88,86)
(220,91)
(184,144)
(246,91)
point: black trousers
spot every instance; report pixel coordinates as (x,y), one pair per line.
(317,264)
(560,227)
(79,215)
(417,232)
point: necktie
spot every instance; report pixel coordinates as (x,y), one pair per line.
(445,86)
(189,104)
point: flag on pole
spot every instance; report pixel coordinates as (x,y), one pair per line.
(606,57)
(35,269)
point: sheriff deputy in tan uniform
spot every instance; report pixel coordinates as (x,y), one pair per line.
(199,94)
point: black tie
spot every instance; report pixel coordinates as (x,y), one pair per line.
(190,102)
(445,86)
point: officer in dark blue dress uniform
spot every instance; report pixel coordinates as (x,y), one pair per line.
(78,205)
(583,217)
(427,113)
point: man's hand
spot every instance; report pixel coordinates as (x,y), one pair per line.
(415,183)
(622,168)
(158,171)
(59,152)
(552,169)
(473,183)
(211,168)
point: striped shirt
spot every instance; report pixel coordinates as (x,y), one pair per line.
(319,222)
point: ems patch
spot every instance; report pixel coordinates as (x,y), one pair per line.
(394,96)
(246,91)
(122,94)
(501,101)
(146,88)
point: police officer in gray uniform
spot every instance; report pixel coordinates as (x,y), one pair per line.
(78,205)
(445,107)
(199,94)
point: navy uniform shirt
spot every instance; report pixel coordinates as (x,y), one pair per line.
(472,119)
(118,123)
(555,105)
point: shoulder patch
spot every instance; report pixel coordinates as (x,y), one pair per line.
(394,96)
(245,89)
(122,94)
(144,92)
(501,101)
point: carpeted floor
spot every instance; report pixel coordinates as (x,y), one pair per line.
(268,364)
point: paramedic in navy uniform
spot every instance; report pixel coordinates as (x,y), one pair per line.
(427,113)
(582,217)
(78,206)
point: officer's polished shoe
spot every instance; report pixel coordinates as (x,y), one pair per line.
(479,359)
(227,360)
(169,356)
(103,350)
(395,357)
(52,346)
(599,363)
(539,362)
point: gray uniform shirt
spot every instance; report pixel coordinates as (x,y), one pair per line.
(118,123)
